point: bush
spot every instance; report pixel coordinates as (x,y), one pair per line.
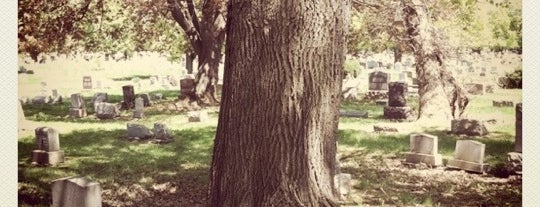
(511,80)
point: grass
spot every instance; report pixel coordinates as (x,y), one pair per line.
(108,158)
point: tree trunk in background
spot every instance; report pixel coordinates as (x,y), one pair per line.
(439,92)
(189,62)
(276,137)
(206,38)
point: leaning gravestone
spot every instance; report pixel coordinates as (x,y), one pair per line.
(397,108)
(469,127)
(129,97)
(355,114)
(78,108)
(469,156)
(424,149)
(139,108)
(105,110)
(75,191)
(138,130)
(48,147)
(378,80)
(56,98)
(87,82)
(197,116)
(519,136)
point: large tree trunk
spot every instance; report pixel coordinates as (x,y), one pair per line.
(276,138)
(434,102)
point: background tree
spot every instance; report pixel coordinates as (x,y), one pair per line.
(276,138)
(206,36)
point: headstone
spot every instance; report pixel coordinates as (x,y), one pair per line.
(139,108)
(129,97)
(187,86)
(87,82)
(55,93)
(56,98)
(41,100)
(519,136)
(100,97)
(355,114)
(98,84)
(343,183)
(75,191)
(197,116)
(371,64)
(153,80)
(469,127)
(146,99)
(48,147)
(397,108)
(157,96)
(162,132)
(503,103)
(475,88)
(397,94)
(424,149)
(138,130)
(469,156)
(378,80)
(377,128)
(105,110)
(78,108)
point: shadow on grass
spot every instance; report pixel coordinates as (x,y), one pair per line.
(175,173)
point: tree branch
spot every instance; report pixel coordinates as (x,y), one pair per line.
(180,16)
(193,14)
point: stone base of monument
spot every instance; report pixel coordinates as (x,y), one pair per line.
(466,165)
(400,113)
(431,160)
(42,157)
(77,112)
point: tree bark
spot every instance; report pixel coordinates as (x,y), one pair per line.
(276,138)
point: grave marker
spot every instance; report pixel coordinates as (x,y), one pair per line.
(78,108)
(469,127)
(129,97)
(75,191)
(469,156)
(424,149)
(139,108)
(87,82)
(48,147)
(197,116)
(378,80)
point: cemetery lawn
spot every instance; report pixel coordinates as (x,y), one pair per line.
(140,173)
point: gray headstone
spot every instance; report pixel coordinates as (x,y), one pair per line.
(87,82)
(54,93)
(47,139)
(105,110)
(187,86)
(161,131)
(197,116)
(378,80)
(470,127)
(41,100)
(138,130)
(77,101)
(139,108)
(424,144)
(100,97)
(470,151)
(157,96)
(75,192)
(343,183)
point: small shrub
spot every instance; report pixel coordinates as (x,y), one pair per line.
(511,80)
